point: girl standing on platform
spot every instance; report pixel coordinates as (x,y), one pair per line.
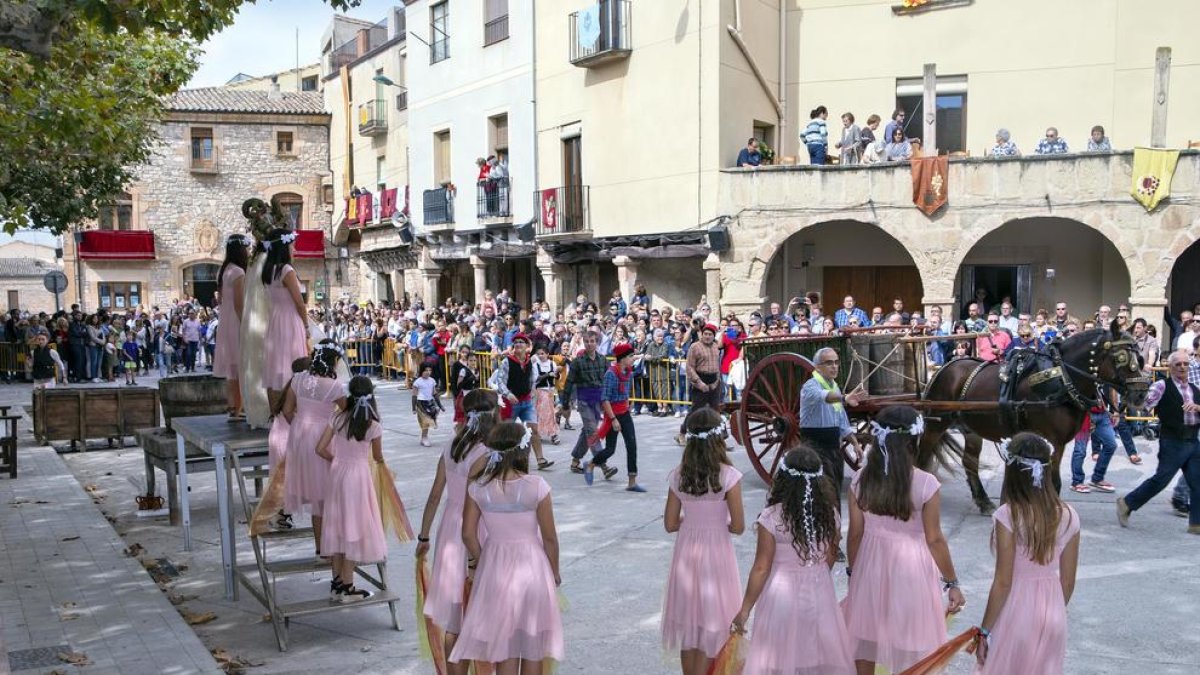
(545,372)
(512,620)
(798,626)
(894,609)
(308,402)
(353,526)
(1036,539)
(287,325)
(426,404)
(463,457)
(232,282)
(277,439)
(703,584)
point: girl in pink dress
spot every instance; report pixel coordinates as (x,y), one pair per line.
(465,456)
(353,526)
(309,402)
(703,584)
(287,325)
(1036,537)
(512,620)
(894,609)
(232,282)
(798,627)
(277,440)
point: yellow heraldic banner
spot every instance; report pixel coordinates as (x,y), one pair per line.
(1153,169)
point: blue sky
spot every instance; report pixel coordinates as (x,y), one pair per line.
(262,39)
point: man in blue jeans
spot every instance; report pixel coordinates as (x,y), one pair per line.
(1102,431)
(1178,406)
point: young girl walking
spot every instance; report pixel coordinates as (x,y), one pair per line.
(464,456)
(308,403)
(798,626)
(353,526)
(277,440)
(512,620)
(1036,539)
(896,549)
(545,372)
(426,404)
(704,505)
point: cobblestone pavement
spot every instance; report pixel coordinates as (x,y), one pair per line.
(1137,595)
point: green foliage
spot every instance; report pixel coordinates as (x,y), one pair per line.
(71,127)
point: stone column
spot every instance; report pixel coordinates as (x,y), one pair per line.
(1151,309)
(479,267)
(712,282)
(430,272)
(627,275)
(551,280)
(945,302)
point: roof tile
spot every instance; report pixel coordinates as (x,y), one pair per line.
(219,99)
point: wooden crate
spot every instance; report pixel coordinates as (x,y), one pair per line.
(79,413)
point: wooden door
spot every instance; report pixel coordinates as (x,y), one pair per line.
(872,286)
(571,210)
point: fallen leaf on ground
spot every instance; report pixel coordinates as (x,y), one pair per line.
(90,487)
(180,599)
(134,550)
(69,616)
(231,663)
(198,619)
(42,501)
(70,538)
(75,658)
(65,605)
(266,618)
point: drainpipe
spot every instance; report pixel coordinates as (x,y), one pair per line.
(782,139)
(735,32)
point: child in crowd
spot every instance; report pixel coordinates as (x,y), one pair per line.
(112,362)
(798,626)
(1036,539)
(894,611)
(702,586)
(426,404)
(513,619)
(130,356)
(277,439)
(353,526)
(545,372)
(309,401)
(462,458)
(46,364)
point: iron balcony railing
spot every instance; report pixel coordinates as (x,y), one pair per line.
(493,198)
(372,117)
(438,206)
(600,33)
(562,210)
(495,30)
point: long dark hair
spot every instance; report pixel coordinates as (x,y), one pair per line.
(298,366)
(361,410)
(885,485)
(790,491)
(700,470)
(505,440)
(1036,512)
(278,254)
(325,358)
(236,253)
(483,403)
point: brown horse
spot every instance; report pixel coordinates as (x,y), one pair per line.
(1052,403)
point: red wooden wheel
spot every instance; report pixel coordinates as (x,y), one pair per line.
(767,421)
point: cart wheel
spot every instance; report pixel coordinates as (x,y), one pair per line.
(768,419)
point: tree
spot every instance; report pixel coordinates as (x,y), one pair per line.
(72,127)
(34,26)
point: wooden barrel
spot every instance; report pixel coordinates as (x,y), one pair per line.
(889,362)
(192,395)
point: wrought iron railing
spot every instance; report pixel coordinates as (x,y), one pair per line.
(600,33)
(493,198)
(562,210)
(438,206)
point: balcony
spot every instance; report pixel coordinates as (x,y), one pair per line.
(600,33)
(309,244)
(438,207)
(495,30)
(116,245)
(493,201)
(204,160)
(372,118)
(562,211)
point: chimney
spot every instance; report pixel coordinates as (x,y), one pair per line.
(274,94)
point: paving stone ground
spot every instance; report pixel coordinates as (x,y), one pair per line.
(1134,608)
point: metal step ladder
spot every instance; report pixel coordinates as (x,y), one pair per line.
(259,578)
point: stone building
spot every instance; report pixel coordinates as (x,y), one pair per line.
(163,239)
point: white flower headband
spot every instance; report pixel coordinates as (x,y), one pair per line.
(720,430)
(495,456)
(329,346)
(881,433)
(810,522)
(1036,468)
(283,239)
(238,239)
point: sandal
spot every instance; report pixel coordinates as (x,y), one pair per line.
(1081,489)
(576,467)
(609,472)
(349,593)
(1134,459)
(544,464)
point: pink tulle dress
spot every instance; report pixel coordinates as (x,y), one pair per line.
(287,335)
(229,331)
(704,590)
(798,626)
(353,525)
(894,610)
(307,474)
(513,610)
(1030,635)
(444,599)
(277,440)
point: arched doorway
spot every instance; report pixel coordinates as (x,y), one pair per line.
(200,282)
(840,258)
(1184,282)
(1037,262)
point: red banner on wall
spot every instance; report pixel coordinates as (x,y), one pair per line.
(930,176)
(365,205)
(387,203)
(550,209)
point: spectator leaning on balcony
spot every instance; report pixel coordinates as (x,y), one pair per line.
(849,311)
(749,156)
(1052,144)
(816,135)
(1098,142)
(866,135)
(851,139)
(498,182)
(898,148)
(1004,146)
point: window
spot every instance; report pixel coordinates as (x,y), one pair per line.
(119,294)
(495,21)
(118,214)
(441,157)
(292,206)
(498,135)
(439,39)
(765,133)
(951,92)
(14,300)
(200,282)
(379,162)
(308,83)
(283,143)
(203,152)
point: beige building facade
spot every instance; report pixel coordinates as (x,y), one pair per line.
(304,78)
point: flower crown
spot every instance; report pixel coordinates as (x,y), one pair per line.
(495,455)
(721,430)
(1035,467)
(881,434)
(284,239)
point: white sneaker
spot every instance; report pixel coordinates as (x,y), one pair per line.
(678,414)
(425,442)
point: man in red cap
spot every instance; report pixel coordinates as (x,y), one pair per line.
(703,374)
(618,384)
(513,380)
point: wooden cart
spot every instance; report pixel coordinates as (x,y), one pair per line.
(78,413)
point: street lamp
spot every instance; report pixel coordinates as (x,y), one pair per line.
(387,81)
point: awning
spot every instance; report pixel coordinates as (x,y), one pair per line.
(309,244)
(116,245)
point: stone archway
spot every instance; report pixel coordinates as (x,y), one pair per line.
(1184,282)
